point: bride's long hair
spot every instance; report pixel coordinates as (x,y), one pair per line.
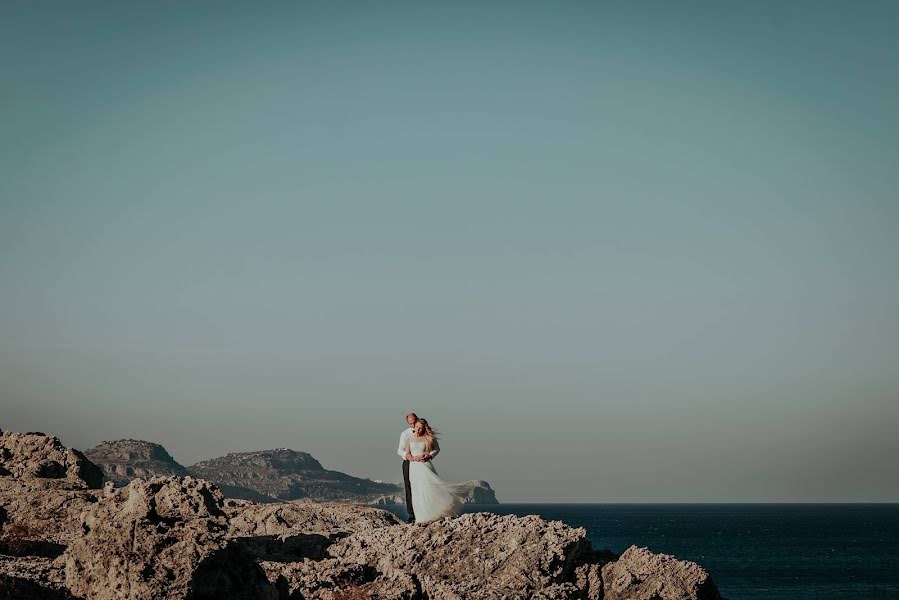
(430,435)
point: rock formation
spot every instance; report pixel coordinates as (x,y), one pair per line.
(279,475)
(178,537)
(162,538)
(43,457)
(44,488)
(124,460)
(639,573)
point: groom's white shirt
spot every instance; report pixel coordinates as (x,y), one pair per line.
(402,449)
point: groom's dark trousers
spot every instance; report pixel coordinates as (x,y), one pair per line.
(408,490)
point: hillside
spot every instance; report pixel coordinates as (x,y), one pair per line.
(262,476)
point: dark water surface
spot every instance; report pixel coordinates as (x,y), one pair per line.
(753,551)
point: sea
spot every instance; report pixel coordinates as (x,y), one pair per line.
(752,551)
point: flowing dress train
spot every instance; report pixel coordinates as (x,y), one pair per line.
(432,497)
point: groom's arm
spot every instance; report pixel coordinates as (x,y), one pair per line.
(402,449)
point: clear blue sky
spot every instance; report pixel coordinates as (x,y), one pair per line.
(614,251)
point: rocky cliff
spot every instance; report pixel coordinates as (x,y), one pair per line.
(283,475)
(124,460)
(177,537)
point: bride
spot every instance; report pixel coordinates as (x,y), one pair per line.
(432,497)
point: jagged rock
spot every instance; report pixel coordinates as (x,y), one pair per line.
(588,578)
(643,575)
(41,456)
(162,538)
(46,509)
(124,460)
(45,488)
(248,519)
(285,475)
(478,555)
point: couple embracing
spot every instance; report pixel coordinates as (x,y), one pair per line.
(428,497)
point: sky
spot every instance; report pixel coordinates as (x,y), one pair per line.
(614,252)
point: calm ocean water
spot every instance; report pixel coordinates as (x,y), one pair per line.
(753,551)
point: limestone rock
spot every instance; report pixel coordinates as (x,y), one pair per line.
(42,456)
(284,519)
(44,487)
(643,575)
(162,538)
(46,509)
(478,555)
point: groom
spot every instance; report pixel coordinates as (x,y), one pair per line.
(411,418)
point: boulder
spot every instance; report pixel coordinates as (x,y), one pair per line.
(36,455)
(44,487)
(639,574)
(162,538)
(47,510)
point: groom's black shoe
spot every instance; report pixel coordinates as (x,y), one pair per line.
(410,520)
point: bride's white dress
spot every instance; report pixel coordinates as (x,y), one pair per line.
(432,497)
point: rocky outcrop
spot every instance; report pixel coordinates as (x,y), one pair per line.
(178,537)
(643,575)
(124,460)
(40,456)
(44,488)
(284,519)
(162,538)
(477,555)
(283,475)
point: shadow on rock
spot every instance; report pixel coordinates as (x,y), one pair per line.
(285,549)
(39,548)
(22,540)
(231,573)
(25,589)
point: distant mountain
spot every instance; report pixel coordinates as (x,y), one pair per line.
(124,460)
(284,474)
(264,476)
